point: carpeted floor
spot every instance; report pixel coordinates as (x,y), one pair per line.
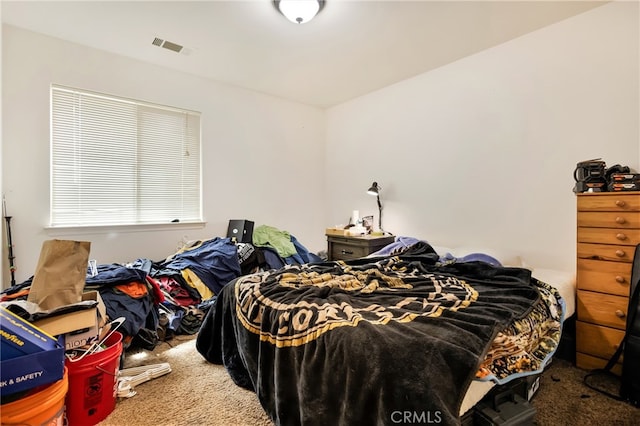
(194,393)
(563,400)
(198,393)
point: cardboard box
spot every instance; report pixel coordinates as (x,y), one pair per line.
(19,337)
(30,357)
(79,338)
(79,328)
(336,231)
(29,371)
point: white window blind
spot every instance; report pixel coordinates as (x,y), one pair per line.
(115,161)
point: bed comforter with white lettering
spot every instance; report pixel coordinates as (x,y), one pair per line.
(367,341)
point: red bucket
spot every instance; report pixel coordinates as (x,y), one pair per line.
(93,384)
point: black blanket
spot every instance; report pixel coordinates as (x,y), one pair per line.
(365,342)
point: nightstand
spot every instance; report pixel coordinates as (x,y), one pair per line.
(343,247)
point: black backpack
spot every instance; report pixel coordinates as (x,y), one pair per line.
(630,345)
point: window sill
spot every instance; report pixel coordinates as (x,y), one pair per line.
(99,229)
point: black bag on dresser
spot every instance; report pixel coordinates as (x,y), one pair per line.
(630,346)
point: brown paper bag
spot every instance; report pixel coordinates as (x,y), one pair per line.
(60,275)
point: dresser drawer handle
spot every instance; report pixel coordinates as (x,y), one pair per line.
(621,237)
(620,203)
(620,279)
(620,314)
(620,253)
(620,220)
(346,252)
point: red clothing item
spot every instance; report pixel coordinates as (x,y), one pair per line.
(176,292)
(158,295)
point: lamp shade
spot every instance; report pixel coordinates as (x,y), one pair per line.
(299,11)
(374,190)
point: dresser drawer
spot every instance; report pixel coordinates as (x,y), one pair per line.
(597,340)
(604,309)
(349,247)
(604,277)
(345,251)
(614,253)
(609,202)
(629,237)
(621,220)
(588,362)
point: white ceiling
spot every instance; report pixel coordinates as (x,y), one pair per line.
(351,48)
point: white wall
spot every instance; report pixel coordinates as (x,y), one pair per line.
(481,152)
(3,236)
(262,156)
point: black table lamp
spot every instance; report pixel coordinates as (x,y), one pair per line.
(375,190)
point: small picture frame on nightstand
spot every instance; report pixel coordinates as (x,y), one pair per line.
(367,222)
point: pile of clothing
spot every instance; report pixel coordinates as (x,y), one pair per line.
(161,299)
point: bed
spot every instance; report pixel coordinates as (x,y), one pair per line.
(368,341)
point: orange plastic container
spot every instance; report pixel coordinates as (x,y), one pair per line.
(44,407)
(93,384)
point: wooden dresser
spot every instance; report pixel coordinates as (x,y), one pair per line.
(342,247)
(608,231)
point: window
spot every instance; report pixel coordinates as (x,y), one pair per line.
(116,161)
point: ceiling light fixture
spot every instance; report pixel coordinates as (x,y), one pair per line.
(299,11)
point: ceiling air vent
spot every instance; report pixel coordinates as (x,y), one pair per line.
(167,45)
